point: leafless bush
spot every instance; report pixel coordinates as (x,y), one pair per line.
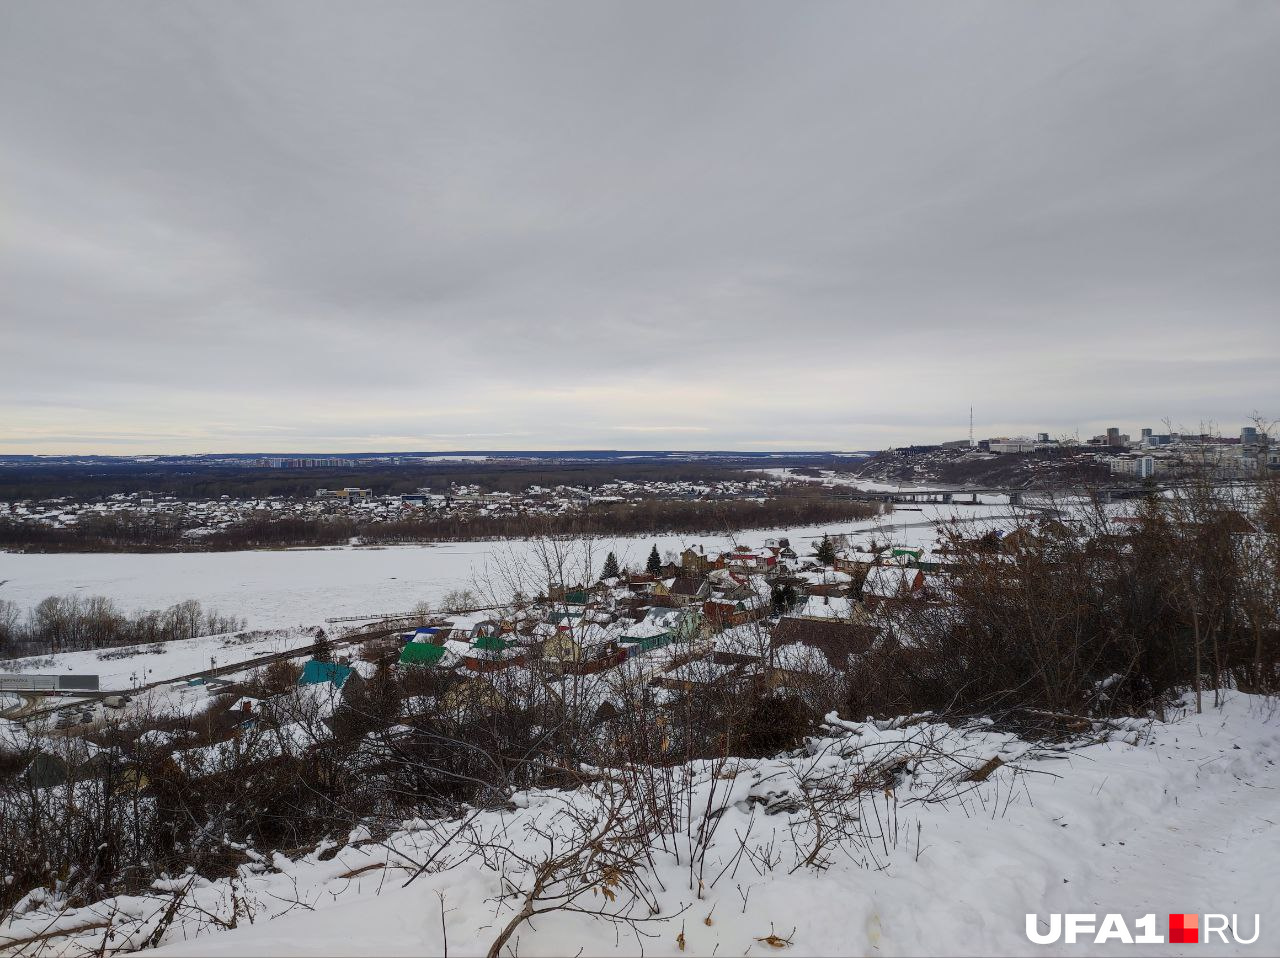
(1090,616)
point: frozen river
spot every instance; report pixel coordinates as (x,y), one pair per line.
(281,589)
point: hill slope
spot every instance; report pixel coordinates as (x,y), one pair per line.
(873,839)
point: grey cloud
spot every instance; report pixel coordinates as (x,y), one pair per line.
(556,224)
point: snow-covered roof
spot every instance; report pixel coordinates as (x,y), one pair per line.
(645,629)
(888,581)
(825,607)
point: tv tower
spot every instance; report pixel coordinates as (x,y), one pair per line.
(970,427)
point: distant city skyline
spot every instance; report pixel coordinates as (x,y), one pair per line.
(728,225)
(1082,435)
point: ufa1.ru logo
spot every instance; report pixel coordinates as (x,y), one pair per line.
(1184,929)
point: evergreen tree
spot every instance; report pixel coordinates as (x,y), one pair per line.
(826,552)
(610,567)
(322,651)
(784,598)
(654,565)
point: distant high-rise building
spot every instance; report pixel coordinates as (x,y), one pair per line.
(1249,435)
(1143,467)
(1113,436)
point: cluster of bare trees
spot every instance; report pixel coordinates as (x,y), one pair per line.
(69,623)
(109,813)
(636,807)
(637,824)
(1091,616)
(136,531)
(145,532)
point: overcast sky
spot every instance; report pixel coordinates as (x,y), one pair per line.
(434,225)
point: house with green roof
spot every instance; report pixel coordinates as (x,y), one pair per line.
(491,652)
(332,673)
(422,653)
(645,636)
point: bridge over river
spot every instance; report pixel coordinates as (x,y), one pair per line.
(1017,496)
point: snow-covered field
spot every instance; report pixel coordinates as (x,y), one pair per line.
(293,587)
(1149,818)
(120,669)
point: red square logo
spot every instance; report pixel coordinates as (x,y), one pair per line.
(1184,929)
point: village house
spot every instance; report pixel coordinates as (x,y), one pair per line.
(688,590)
(824,582)
(781,548)
(723,612)
(645,636)
(684,622)
(696,562)
(839,607)
(747,560)
(891,583)
(336,674)
(446,655)
(836,640)
(856,561)
(702,674)
(582,650)
(490,653)
(472,695)
(67,760)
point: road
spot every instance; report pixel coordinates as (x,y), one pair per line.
(37,706)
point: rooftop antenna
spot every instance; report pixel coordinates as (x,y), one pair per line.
(970,427)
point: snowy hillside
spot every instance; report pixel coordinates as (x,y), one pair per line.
(889,838)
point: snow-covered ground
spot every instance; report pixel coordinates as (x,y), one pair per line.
(828,477)
(292,587)
(120,669)
(1150,818)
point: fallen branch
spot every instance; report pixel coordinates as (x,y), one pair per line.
(981,773)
